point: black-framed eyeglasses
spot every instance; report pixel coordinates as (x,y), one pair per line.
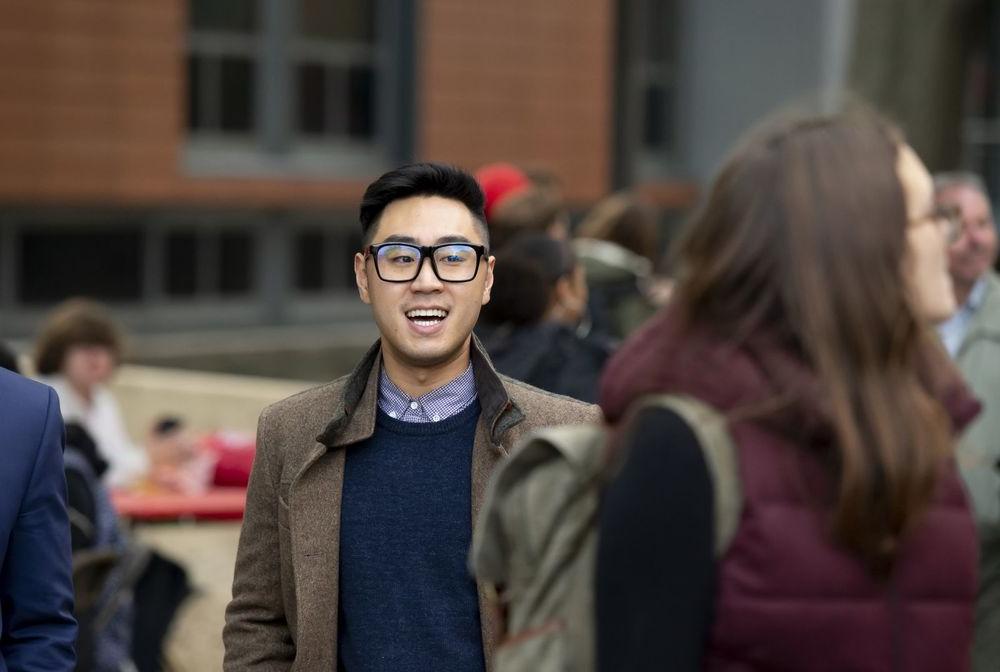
(949,217)
(451,262)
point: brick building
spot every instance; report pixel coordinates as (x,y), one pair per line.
(198,163)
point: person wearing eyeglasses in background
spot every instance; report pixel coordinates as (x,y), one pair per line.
(364,491)
(972,337)
(839,537)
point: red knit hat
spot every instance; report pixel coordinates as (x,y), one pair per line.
(500,181)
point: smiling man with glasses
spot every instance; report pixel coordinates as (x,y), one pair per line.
(364,491)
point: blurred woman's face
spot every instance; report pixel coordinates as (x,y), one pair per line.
(926,269)
(88,365)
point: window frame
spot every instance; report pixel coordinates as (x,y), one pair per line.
(636,162)
(275,147)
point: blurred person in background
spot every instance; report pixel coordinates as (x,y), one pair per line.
(353,553)
(8,359)
(806,290)
(89,525)
(499,181)
(127,595)
(529,327)
(972,337)
(536,209)
(515,203)
(37,627)
(177,462)
(105,612)
(618,244)
(77,351)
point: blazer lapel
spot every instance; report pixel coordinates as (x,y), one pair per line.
(314,518)
(314,504)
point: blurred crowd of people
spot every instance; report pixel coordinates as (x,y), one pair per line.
(821,276)
(813,289)
(560,304)
(836,304)
(126,594)
(77,352)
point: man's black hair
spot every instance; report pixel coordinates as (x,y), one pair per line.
(421,179)
(167,424)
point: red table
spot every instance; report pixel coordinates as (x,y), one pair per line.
(149,506)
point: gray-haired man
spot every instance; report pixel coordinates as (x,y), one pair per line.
(972,336)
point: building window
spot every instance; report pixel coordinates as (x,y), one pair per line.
(236,263)
(103,263)
(181,264)
(648,55)
(323,259)
(222,67)
(655,76)
(209,262)
(309,255)
(334,52)
(981,127)
(296,85)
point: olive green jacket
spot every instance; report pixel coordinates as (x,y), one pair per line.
(978,358)
(283,615)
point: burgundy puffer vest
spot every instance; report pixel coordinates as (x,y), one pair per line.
(787,597)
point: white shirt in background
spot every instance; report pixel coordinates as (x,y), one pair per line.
(102,419)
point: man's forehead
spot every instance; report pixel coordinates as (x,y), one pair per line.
(427,219)
(966,195)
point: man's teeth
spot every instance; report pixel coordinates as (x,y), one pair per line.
(431,314)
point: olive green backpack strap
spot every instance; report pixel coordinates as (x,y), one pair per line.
(710,428)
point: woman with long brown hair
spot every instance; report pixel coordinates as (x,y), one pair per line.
(807,285)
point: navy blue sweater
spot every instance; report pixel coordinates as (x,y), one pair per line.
(407,601)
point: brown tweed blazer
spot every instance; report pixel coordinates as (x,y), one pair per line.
(283,615)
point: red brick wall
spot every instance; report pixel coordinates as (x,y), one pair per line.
(88,99)
(523,81)
(92,100)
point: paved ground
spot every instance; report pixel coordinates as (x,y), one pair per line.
(208,551)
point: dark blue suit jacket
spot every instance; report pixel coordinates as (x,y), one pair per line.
(38,631)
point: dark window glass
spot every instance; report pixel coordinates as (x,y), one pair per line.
(237,81)
(352,243)
(181,263)
(312,99)
(336,83)
(195,66)
(361,102)
(235,16)
(309,261)
(660,26)
(101,263)
(657,125)
(352,20)
(235,262)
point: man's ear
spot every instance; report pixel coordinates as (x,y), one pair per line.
(361,277)
(490,262)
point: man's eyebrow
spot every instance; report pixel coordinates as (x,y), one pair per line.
(410,240)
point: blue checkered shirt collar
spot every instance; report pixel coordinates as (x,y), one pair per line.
(954,330)
(434,406)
